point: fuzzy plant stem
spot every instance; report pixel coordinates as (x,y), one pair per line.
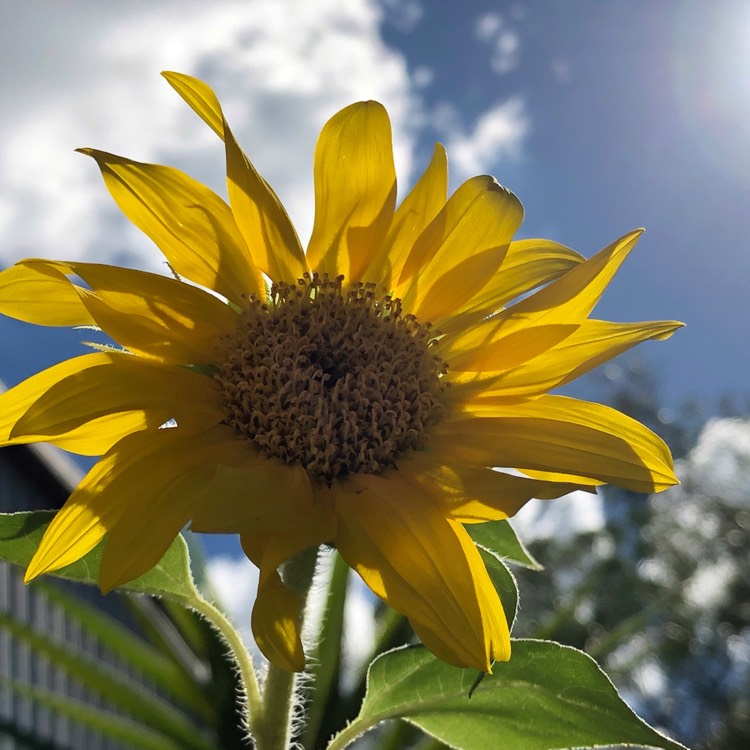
(244,660)
(273,730)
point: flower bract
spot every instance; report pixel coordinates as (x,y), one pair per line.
(377,393)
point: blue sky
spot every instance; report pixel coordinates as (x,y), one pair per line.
(601,116)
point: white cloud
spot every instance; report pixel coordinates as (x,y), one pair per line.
(94,82)
(505,44)
(497,133)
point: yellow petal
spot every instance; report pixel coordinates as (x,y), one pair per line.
(157,513)
(98,435)
(260,215)
(140,495)
(123,383)
(355,191)
(158,482)
(587,484)
(200,97)
(461,249)
(472,494)
(527,265)
(276,624)
(545,318)
(153,315)
(175,477)
(499,648)
(423,565)
(42,296)
(93,509)
(16,401)
(416,211)
(560,434)
(502,351)
(594,343)
(250,492)
(87,429)
(316,525)
(189,223)
(276,613)
(184,479)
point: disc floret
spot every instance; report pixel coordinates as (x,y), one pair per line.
(338,379)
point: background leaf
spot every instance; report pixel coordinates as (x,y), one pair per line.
(154,663)
(547,696)
(146,707)
(504,582)
(500,538)
(114,727)
(172,674)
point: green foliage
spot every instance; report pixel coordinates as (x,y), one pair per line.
(185,691)
(547,696)
(103,681)
(20,534)
(659,595)
(504,582)
(135,733)
(501,538)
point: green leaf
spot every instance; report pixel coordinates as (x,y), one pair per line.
(504,582)
(547,696)
(171,579)
(20,534)
(148,708)
(106,723)
(500,537)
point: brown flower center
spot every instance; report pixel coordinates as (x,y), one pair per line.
(338,381)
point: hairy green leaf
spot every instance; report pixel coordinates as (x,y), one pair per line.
(20,534)
(546,697)
(504,582)
(500,538)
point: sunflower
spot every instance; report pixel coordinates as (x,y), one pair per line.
(361,394)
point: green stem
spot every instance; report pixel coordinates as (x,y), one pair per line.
(350,733)
(273,730)
(326,662)
(248,677)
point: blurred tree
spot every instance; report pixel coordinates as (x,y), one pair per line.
(658,592)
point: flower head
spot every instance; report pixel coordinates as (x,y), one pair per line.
(360,394)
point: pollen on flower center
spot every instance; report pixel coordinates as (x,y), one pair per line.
(340,381)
